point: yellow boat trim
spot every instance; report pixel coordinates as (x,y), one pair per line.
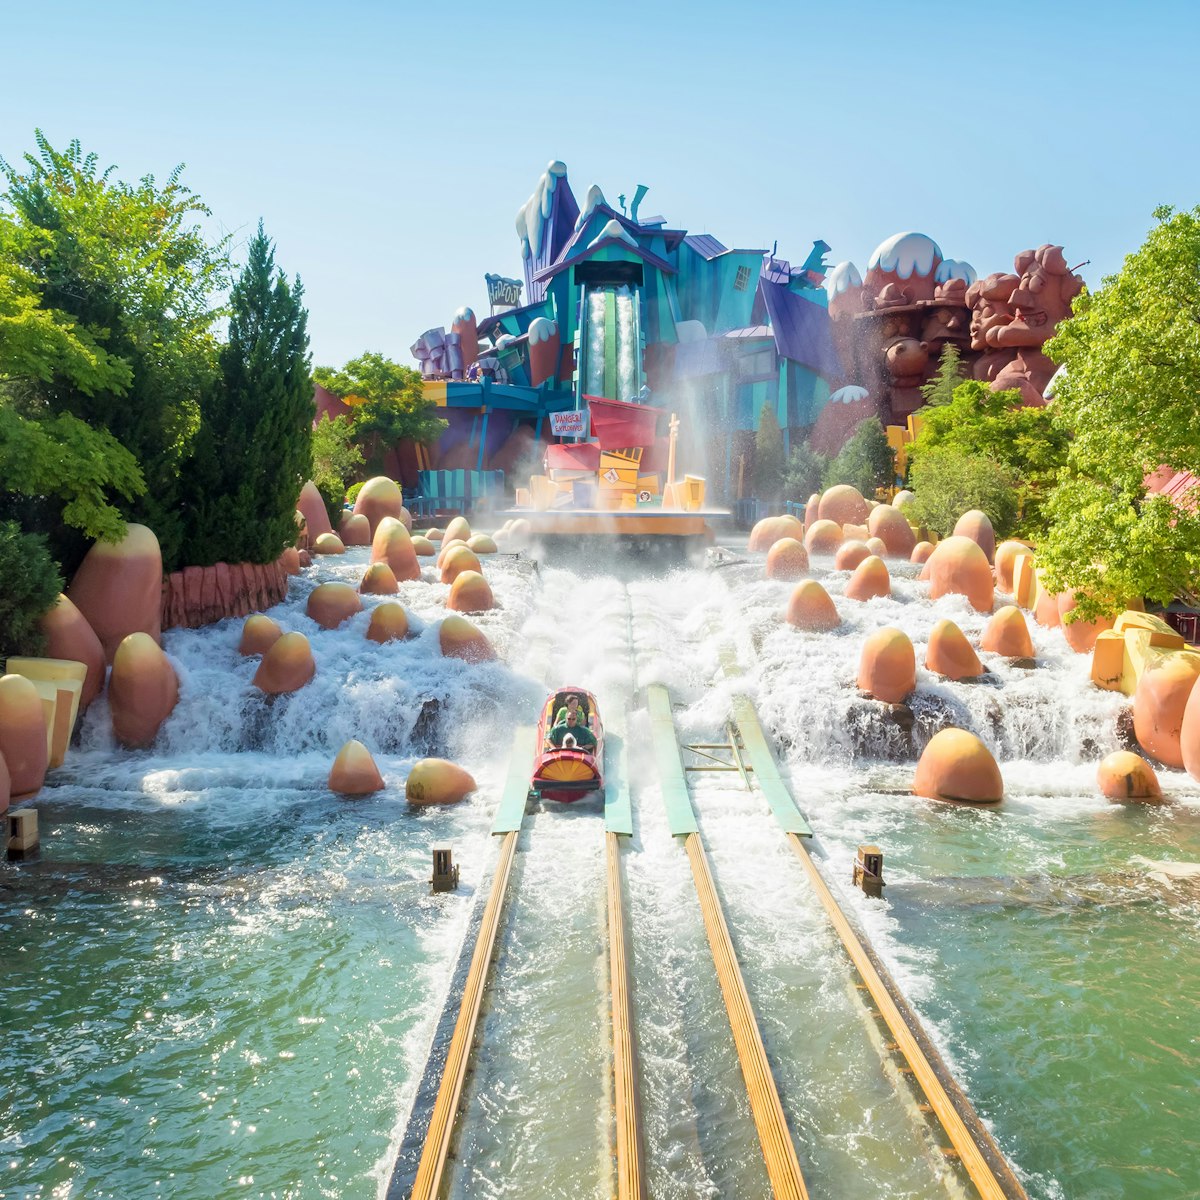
(567,769)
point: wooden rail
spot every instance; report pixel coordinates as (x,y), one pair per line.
(631,1184)
(445,1108)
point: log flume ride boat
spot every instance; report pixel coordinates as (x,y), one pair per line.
(566,765)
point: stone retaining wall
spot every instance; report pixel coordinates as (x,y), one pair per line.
(199,596)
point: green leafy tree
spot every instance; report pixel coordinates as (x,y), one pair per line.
(31,586)
(335,459)
(866,461)
(802,476)
(388,403)
(768,455)
(253,450)
(1129,392)
(1029,443)
(948,482)
(949,374)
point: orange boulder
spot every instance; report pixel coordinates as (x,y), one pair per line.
(354,772)
(1007,634)
(286,667)
(436,781)
(921,552)
(434,535)
(956,765)
(68,635)
(259,634)
(1124,775)
(446,546)
(5,786)
(389,623)
(1007,554)
(23,745)
(458,638)
(1189,735)
(458,528)
(1159,705)
(1081,635)
(470,592)
(887,669)
(423,547)
(481,543)
(811,608)
(877,546)
(823,538)
(393,545)
(378,580)
(949,654)
(289,560)
(304,558)
(844,505)
(958,566)
(770,529)
(854,533)
(329,604)
(355,530)
(850,554)
(870,579)
(787,559)
(976,525)
(812,511)
(328,543)
(1045,605)
(118,588)
(457,560)
(316,518)
(378,498)
(142,690)
(891,526)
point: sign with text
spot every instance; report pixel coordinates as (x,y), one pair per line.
(503,293)
(569,424)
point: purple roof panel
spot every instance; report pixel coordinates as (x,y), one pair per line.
(802,330)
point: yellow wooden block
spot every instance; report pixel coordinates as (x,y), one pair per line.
(522,498)
(618,477)
(59,684)
(648,483)
(693,493)
(542,491)
(628,499)
(1025,584)
(621,459)
(1161,634)
(1108,660)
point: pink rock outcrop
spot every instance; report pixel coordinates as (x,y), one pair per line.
(378,498)
(316,518)
(393,545)
(68,635)
(958,566)
(142,690)
(118,588)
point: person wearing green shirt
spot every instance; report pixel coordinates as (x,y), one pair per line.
(585,739)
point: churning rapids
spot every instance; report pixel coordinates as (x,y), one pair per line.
(221,980)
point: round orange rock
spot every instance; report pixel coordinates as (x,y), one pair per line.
(870,579)
(1124,775)
(481,543)
(1045,606)
(470,592)
(458,528)
(1081,635)
(812,511)
(355,530)
(949,653)
(436,781)
(891,526)
(328,543)
(887,669)
(378,580)
(304,558)
(811,608)
(854,533)
(1159,705)
(956,765)
(5,786)
(23,734)
(287,666)
(389,623)
(393,545)
(823,538)
(142,690)
(458,638)
(787,559)
(446,547)
(921,552)
(958,566)
(976,525)
(329,604)
(877,546)
(378,498)
(844,505)
(434,535)
(259,634)
(1189,735)
(423,547)
(1007,634)
(312,506)
(289,560)
(354,772)
(850,554)
(1007,554)
(457,560)
(68,635)
(771,529)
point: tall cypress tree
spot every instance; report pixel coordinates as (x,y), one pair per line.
(253,451)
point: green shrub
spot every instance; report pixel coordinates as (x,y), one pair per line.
(865,462)
(802,476)
(949,482)
(768,455)
(353,490)
(31,586)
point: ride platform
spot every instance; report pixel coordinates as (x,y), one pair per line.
(590,532)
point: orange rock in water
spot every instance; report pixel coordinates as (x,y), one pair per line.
(118,588)
(1189,735)
(68,635)
(23,745)
(423,547)
(378,580)
(921,552)
(5,786)
(812,511)
(481,543)
(329,604)
(1159,705)
(458,638)
(787,559)
(142,690)
(870,579)
(470,592)
(328,543)
(811,608)
(289,560)
(823,538)
(286,667)
(854,533)
(978,527)
(891,526)
(770,529)
(520,533)
(446,547)
(434,535)
(958,566)
(378,498)
(877,546)
(354,772)
(389,623)
(316,518)
(1124,775)
(458,528)
(436,781)
(950,654)
(457,560)
(304,558)
(1081,635)
(259,634)
(355,530)
(1007,634)
(844,505)
(887,669)
(1045,605)
(850,554)
(1007,554)
(393,545)
(956,765)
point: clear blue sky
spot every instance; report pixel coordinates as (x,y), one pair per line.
(388,145)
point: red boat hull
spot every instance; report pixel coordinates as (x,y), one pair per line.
(567,773)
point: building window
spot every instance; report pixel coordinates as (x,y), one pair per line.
(741,281)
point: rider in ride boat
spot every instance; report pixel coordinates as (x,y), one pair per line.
(582,738)
(573,704)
